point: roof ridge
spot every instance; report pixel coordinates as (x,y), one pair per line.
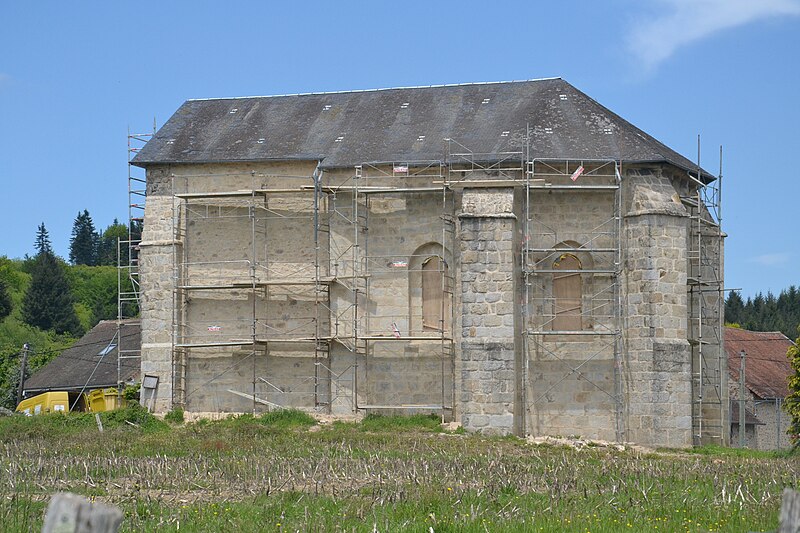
(320,93)
(754,331)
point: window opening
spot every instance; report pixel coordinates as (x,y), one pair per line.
(567,294)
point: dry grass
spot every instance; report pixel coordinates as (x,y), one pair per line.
(259,474)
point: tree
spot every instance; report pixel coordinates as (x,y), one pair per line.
(48,302)
(84,241)
(765,312)
(734,308)
(792,402)
(43,240)
(5,300)
(107,251)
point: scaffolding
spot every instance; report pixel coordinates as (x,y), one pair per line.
(706,310)
(128,301)
(301,304)
(584,342)
(396,337)
(574,336)
(248,230)
(356,292)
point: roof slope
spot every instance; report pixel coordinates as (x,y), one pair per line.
(407,124)
(78,366)
(766,368)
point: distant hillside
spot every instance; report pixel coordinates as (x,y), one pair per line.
(95,293)
(766,313)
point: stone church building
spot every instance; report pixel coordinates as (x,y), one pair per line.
(513,256)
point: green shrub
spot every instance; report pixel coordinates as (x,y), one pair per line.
(15,428)
(134,415)
(424,423)
(288,418)
(175,416)
(131,393)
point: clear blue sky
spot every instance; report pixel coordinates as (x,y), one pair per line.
(75,75)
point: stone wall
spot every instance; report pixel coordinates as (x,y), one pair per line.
(772,435)
(572,382)
(214,242)
(750,436)
(385,240)
(657,360)
(490,347)
(375,249)
(214,376)
(156,285)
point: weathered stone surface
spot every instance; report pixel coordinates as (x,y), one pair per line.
(495,380)
(488,347)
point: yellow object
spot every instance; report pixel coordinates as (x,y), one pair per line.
(48,402)
(96,401)
(100,400)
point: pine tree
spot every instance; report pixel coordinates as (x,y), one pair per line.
(43,240)
(83,244)
(48,302)
(5,300)
(734,308)
(792,402)
(765,313)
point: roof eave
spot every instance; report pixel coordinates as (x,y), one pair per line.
(705,176)
(71,388)
(151,163)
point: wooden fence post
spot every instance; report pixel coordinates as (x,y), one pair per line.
(789,521)
(70,513)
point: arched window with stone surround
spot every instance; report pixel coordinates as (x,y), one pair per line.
(567,294)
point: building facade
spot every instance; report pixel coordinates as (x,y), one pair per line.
(513,256)
(766,386)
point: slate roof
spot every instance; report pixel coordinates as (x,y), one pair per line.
(345,129)
(78,365)
(766,366)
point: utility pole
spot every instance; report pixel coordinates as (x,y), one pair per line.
(22,366)
(742,357)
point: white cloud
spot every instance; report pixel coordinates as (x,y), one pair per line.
(685,21)
(769,260)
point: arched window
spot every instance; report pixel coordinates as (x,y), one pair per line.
(567,294)
(435,303)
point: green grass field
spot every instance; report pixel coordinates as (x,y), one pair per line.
(282,472)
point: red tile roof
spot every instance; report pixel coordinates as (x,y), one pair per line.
(766,367)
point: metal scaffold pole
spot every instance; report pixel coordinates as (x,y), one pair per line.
(571,290)
(210,282)
(128,301)
(706,307)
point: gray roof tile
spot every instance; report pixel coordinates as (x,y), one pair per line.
(80,365)
(386,125)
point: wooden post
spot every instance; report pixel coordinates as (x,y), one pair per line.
(70,513)
(742,420)
(789,521)
(22,368)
